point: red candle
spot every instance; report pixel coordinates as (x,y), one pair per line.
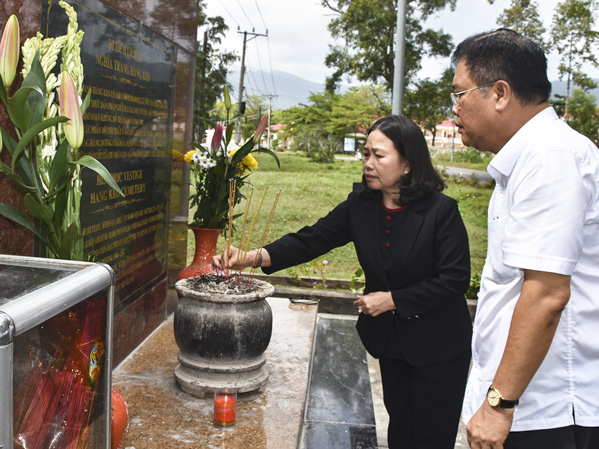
(224,408)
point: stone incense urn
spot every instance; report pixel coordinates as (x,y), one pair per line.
(222,335)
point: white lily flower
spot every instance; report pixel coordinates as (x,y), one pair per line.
(48,151)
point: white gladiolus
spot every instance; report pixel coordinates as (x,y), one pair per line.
(48,151)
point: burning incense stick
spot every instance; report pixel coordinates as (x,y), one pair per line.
(245,240)
(245,215)
(254,220)
(232,190)
(266,228)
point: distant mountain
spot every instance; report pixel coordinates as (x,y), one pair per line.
(559,87)
(290,90)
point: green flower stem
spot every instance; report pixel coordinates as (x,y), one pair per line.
(35,178)
(49,197)
(41,164)
(77,196)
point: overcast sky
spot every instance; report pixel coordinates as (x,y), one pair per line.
(298,38)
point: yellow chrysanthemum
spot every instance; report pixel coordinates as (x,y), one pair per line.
(177,156)
(250,161)
(189,155)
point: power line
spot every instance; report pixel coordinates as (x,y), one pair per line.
(246,16)
(253,84)
(253,80)
(272,78)
(259,12)
(260,65)
(257,47)
(230,15)
(269,54)
(252,35)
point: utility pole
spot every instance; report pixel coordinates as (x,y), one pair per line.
(240,97)
(201,106)
(270,97)
(399,65)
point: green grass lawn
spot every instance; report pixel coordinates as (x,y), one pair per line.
(310,190)
(464,158)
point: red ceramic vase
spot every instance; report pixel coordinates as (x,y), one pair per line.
(119,420)
(205,248)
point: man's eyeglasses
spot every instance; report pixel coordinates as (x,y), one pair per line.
(455,96)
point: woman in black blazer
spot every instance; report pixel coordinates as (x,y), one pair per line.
(412,245)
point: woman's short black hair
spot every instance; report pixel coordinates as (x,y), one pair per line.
(408,140)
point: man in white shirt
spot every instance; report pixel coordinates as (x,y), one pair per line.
(534,381)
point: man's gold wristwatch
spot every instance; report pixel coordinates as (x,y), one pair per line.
(495,399)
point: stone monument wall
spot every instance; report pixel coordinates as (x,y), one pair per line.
(139,64)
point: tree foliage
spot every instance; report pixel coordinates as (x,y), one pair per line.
(571,35)
(584,114)
(314,114)
(318,128)
(574,38)
(429,102)
(341,114)
(211,68)
(523,17)
(367,28)
(357,109)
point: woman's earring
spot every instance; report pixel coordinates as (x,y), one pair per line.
(406,172)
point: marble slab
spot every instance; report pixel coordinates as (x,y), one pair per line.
(339,407)
(319,435)
(162,416)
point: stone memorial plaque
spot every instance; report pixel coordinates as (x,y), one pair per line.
(130,72)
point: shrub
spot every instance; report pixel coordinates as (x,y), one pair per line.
(317,145)
(469,155)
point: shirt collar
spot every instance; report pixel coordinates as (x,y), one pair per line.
(502,165)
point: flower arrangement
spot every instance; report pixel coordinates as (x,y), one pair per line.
(219,172)
(45,160)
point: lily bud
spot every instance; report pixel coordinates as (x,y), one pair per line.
(217,137)
(68,101)
(260,129)
(9,51)
(227,99)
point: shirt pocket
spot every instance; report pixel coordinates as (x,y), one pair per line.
(497,271)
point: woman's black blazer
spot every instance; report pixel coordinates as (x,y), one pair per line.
(431,272)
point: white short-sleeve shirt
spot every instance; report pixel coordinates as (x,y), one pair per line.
(543,216)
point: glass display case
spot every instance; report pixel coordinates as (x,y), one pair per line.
(55,353)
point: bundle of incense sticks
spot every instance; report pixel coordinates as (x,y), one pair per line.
(248,230)
(54,412)
(55,404)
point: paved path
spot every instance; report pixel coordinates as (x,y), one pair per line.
(481,176)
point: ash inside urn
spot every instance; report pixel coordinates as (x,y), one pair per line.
(223,285)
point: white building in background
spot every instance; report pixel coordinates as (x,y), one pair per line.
(278,141)
(446,135)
